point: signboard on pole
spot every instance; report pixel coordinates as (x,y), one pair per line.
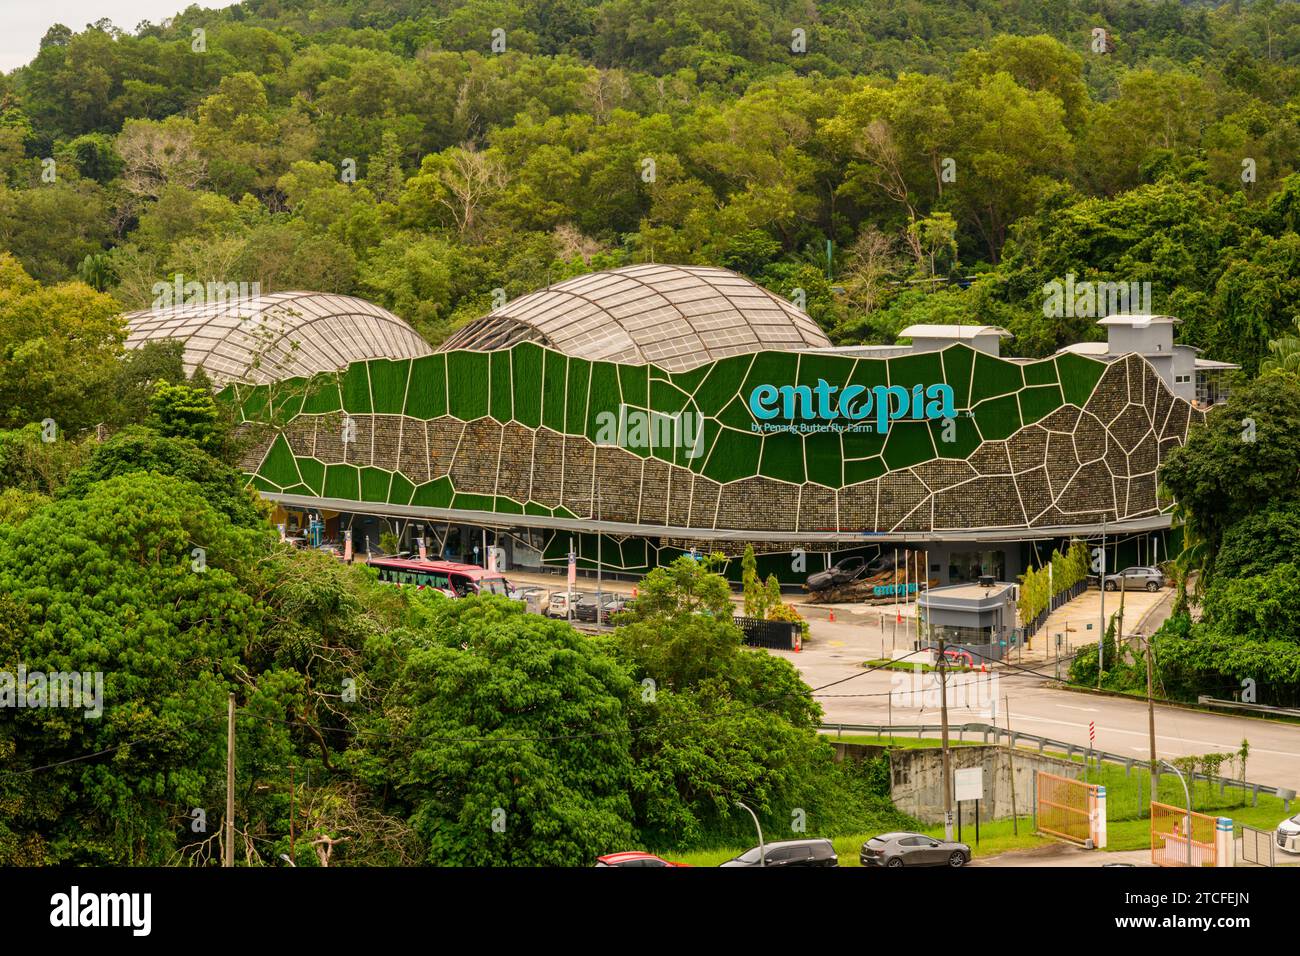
(968,784)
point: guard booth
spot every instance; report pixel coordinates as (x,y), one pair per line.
(978,618)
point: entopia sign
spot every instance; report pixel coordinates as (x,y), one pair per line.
(827,407)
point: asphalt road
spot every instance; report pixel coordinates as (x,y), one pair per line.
(836,651)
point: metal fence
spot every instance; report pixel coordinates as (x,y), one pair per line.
(776,635)
(1257,846)
(1065,807)
(1180,838)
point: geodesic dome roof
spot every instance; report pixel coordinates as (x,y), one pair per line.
(674,316)
(267,338)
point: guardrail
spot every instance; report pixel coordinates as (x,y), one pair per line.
(1206,701)
(1015,737)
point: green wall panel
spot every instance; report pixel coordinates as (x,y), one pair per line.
(734,456)
(575,411)
(856,471)
(634,382)
(1079,376)
(966,437)
(426,396)
(501,405)
(433,494)
(1042,372)
(313,474)
(279,465)
(1039,402)
(388,385)
(526,371)
(925,368)
(825,459)
(554,390)
(908,443)
(322,396)
(958,360)
(994,377)
(401,490)
(356,389)
(998,418)
(783,457)
(374,484)
(342,481)
(605,396)
(723,383)
(467,385)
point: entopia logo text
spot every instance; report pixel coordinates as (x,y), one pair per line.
(827,407)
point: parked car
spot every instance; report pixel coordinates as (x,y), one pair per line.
(634,858)
(841,572)
(912,849)
(558,605)
(790,853)
(1135,579)
(1287,835)
(610,603)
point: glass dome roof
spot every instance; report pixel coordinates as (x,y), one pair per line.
(674,316)
(266,338)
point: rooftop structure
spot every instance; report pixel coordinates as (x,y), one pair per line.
(676,317)
(266,338)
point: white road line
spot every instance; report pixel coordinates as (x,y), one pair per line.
(1142,733)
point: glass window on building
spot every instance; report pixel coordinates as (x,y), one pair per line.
(965,567)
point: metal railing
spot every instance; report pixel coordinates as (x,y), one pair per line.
(991,733)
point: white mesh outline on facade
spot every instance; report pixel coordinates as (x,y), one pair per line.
(677,317)
(267,338)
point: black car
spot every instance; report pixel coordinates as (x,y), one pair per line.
(609,604)
(790,853)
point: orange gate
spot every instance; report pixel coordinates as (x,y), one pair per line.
(1066,807)
(1180,838)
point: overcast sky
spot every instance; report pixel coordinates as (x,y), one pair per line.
(24,22)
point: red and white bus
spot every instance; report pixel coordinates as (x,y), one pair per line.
(458,579)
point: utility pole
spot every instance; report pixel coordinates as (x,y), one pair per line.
(1101,638)
(943,719)
(292,794)
(230,782)
(1011,765)
(1151,720)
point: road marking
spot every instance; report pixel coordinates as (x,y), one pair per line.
(1143,733)
(1086,710)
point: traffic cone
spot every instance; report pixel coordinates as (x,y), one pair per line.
(832,615)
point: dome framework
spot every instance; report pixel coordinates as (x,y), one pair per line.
(266,338)
(676,317)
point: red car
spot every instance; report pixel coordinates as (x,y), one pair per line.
(634,858)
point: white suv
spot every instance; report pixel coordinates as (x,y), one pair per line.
(1287,835)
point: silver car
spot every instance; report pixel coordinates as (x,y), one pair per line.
(1136,579)
(913,849)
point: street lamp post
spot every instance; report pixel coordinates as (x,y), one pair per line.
(1187,827)
(762,851)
